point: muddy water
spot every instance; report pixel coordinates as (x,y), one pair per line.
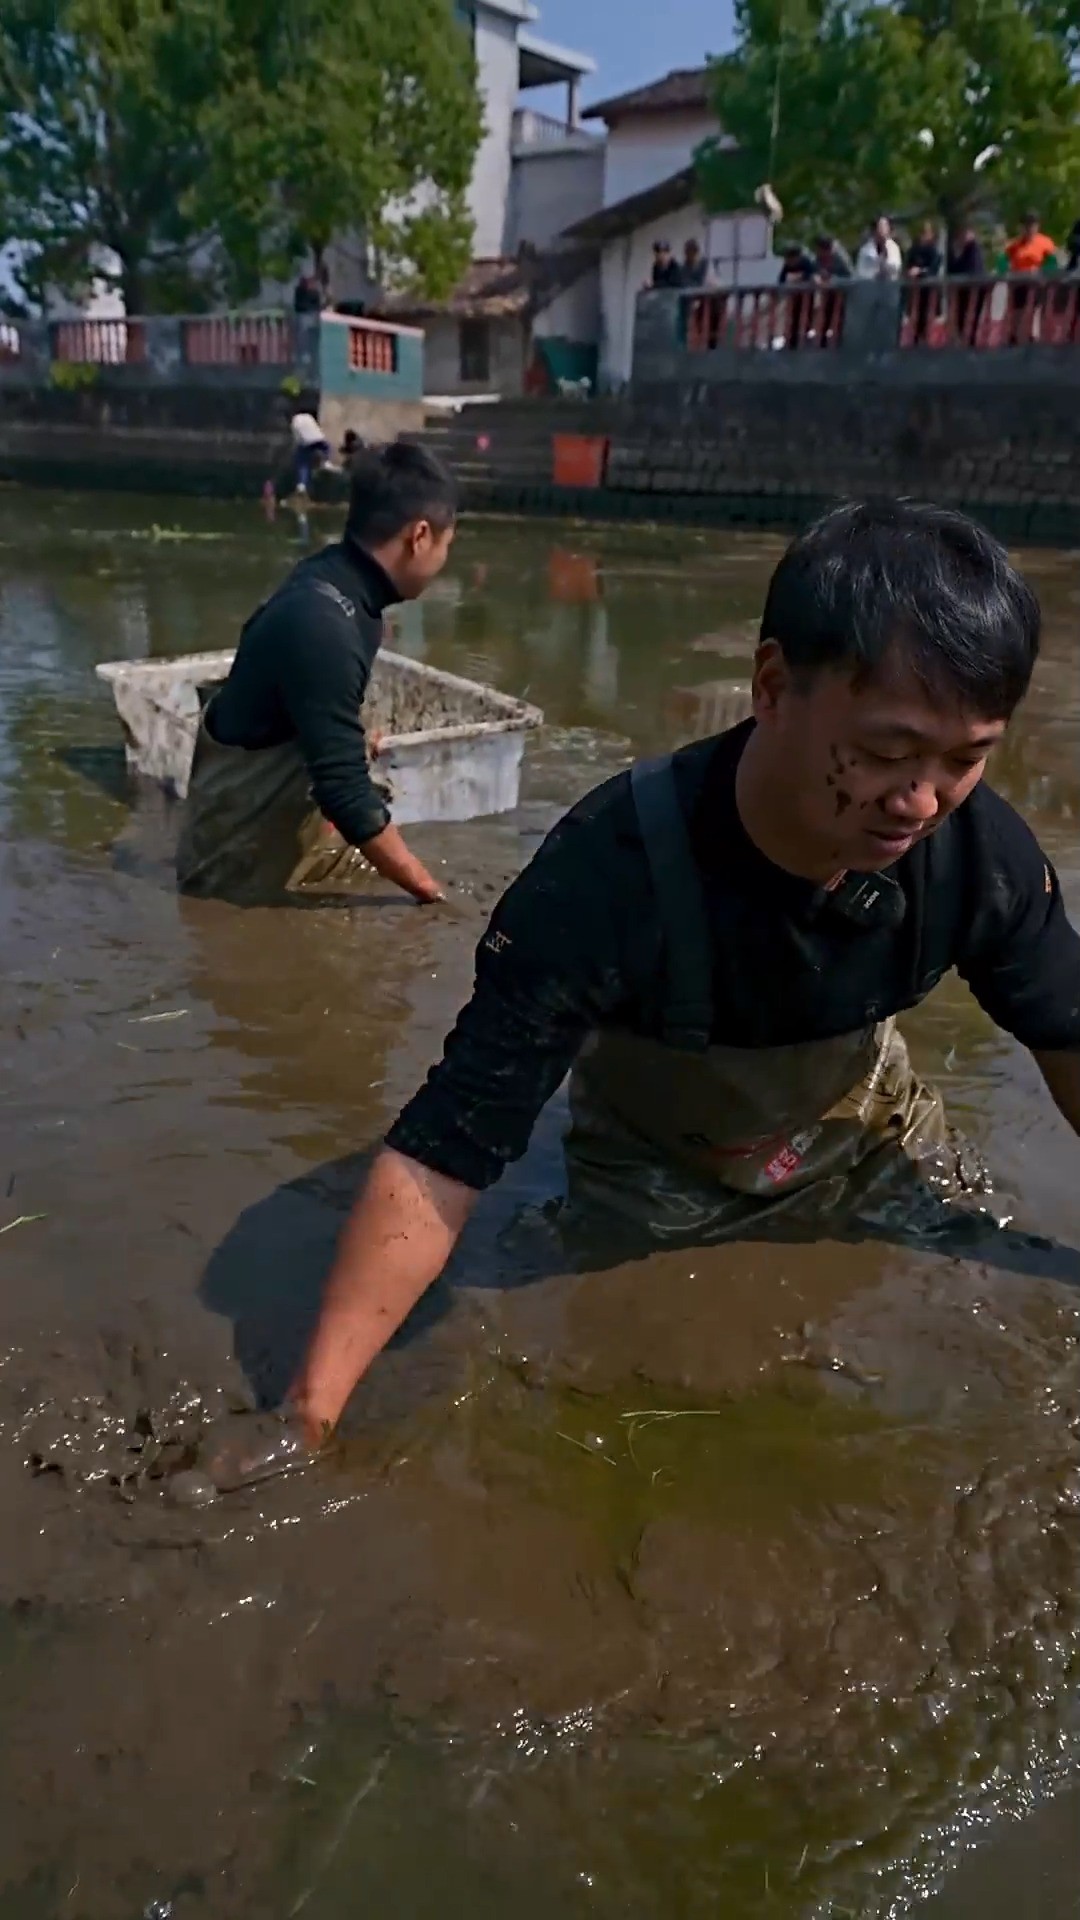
(741,1583)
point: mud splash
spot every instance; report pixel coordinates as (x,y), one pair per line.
(744,1581)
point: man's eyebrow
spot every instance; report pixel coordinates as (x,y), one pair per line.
(902,730)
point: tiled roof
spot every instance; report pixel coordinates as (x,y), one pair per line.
(492,289)
(682,89)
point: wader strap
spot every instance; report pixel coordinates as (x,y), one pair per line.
(686,1015)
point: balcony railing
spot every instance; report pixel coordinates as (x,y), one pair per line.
(1018,311)
(98,343)
(239,340)
(759,318)
(532,129)
(989,315)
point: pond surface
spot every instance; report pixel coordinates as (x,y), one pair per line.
(741,1583)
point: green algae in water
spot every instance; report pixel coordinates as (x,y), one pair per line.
(638,1453)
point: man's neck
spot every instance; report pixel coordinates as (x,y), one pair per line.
(766,821)
(372,564)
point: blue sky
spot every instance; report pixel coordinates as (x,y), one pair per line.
(635,44)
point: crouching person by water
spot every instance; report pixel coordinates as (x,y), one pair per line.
(717,944)
(282,796)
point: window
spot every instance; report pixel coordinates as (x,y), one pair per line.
(474,346)
(372,349)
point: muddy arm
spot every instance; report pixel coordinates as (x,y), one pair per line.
(391,858)
(397,1241)
(1061,1071)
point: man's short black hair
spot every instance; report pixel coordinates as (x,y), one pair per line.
(868,577)
(392,486)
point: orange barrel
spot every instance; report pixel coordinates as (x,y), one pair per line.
(578,459)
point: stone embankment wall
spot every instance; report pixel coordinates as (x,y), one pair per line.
(198,404)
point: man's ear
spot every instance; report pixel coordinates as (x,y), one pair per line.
(771,679)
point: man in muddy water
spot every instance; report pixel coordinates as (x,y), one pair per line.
(717,944)
(282,799)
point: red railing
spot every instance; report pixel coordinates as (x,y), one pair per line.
(98,343)
(1019,311)
(229,340)
(759,318)
(1000,312)
(372,348)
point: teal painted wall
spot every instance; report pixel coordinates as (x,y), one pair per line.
(337,378)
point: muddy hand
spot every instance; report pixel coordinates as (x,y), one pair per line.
(241,1449)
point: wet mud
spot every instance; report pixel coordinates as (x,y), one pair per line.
(742,1580)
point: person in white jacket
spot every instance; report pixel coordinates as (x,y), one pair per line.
(879,257)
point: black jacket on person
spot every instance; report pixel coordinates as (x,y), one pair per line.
(924,259)
(577,944)
(300,673)
(799,272)
(967,262)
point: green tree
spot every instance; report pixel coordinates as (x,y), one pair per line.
(100,144)
(926,107)
(344,116)
(207,143)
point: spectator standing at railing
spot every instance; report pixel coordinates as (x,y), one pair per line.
(666,271)
(799,268)
(1031,252)
(879,257)
(308,295)
(923,263)
(833,263)
(798,271)
(965,260)
(694,271)
(924,260)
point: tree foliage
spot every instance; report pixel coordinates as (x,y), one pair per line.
(340,114)
(209,143)
(925,107)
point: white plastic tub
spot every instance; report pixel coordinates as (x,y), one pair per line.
(451,748)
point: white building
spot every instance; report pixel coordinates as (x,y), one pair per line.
(650,194)
(512,60)
(531,299)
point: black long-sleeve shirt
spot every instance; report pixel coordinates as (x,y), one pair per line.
(576,943)
(300,673)
(924,259)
